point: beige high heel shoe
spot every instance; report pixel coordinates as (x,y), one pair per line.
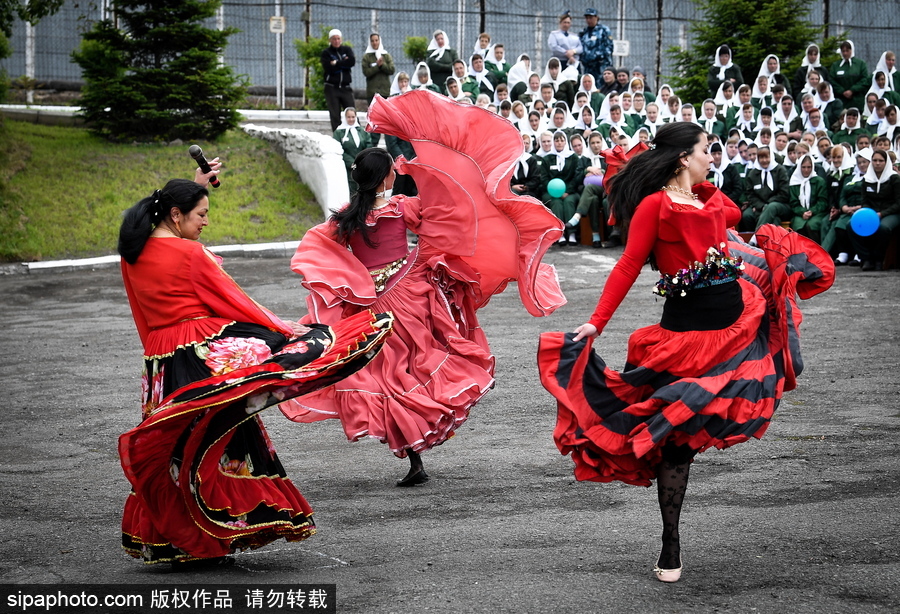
(668,575)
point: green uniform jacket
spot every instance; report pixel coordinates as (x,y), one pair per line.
(833,114)
(499,72)
(851,194)
(849,136)
(351,149)
(886,200)
(718,128)
(605,128)
(732,184)
(569,173)
(818,204)
(378,78)
(533,180)
(596,102)
(566,91)
(758,194)
(854,77)
(713,81)
(442,68)
(835,186)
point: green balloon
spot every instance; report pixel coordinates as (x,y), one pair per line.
(556,188)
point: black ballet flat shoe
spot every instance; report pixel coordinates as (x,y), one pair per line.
(614,241)
(597,244)
(868,265)
(413,479)
(218,562)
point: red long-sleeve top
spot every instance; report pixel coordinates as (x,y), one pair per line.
(180,295)
(677,236)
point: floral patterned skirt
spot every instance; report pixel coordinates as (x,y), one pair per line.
(205,476)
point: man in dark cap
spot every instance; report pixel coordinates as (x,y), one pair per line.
(597,45)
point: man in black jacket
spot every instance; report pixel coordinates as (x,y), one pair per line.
(337,60)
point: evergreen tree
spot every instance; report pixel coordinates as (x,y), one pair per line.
(158,75)
(753,29)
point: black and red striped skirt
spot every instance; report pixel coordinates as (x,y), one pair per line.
(711,374)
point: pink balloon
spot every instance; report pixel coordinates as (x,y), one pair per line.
(593,180)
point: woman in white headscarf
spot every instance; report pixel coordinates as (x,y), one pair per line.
(401,84)
(725,97)
(813,79)
(662,95)
(517,77)
(808,199)
(421,79)
(588,85)
(561,163)
(688,114)
(849,76)
(881,192)
(653,121)
(811,60)
(483,46)
(771,68)
(886,64)
(723,69)
(761,96)
(485,81)
(532,89)
(836,239)
(454,89)
(560,79)
(782,119)
(353,139)
(586,122)
(440,57)
(603,113)
(533,125)
(890,127)
(518,114)
(828,104)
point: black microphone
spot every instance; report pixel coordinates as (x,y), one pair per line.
(197,154)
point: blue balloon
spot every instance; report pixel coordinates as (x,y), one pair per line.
(556,188)
(865,222)
(593,180)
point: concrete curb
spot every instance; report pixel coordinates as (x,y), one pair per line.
(69,116)
(257,250)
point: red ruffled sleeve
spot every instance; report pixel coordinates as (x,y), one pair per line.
(332,274)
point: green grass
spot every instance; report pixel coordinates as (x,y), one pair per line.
(63,190)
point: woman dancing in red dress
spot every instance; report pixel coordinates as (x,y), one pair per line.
(712,372)
(206,480)
(475,236)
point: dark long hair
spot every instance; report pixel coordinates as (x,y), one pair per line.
(140,220)
(648,171)
(370,168)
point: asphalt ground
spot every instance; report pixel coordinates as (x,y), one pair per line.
(804,520)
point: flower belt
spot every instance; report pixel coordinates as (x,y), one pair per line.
(381,276)
(717,269)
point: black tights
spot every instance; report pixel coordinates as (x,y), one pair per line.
(671,483)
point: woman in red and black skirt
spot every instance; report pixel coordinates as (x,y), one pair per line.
(711,373)
(205,478)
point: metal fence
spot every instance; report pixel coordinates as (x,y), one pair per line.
(522,25)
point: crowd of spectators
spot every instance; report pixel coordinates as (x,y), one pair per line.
(805,150)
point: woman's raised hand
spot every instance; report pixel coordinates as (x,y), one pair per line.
(215,165)
(585,330)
